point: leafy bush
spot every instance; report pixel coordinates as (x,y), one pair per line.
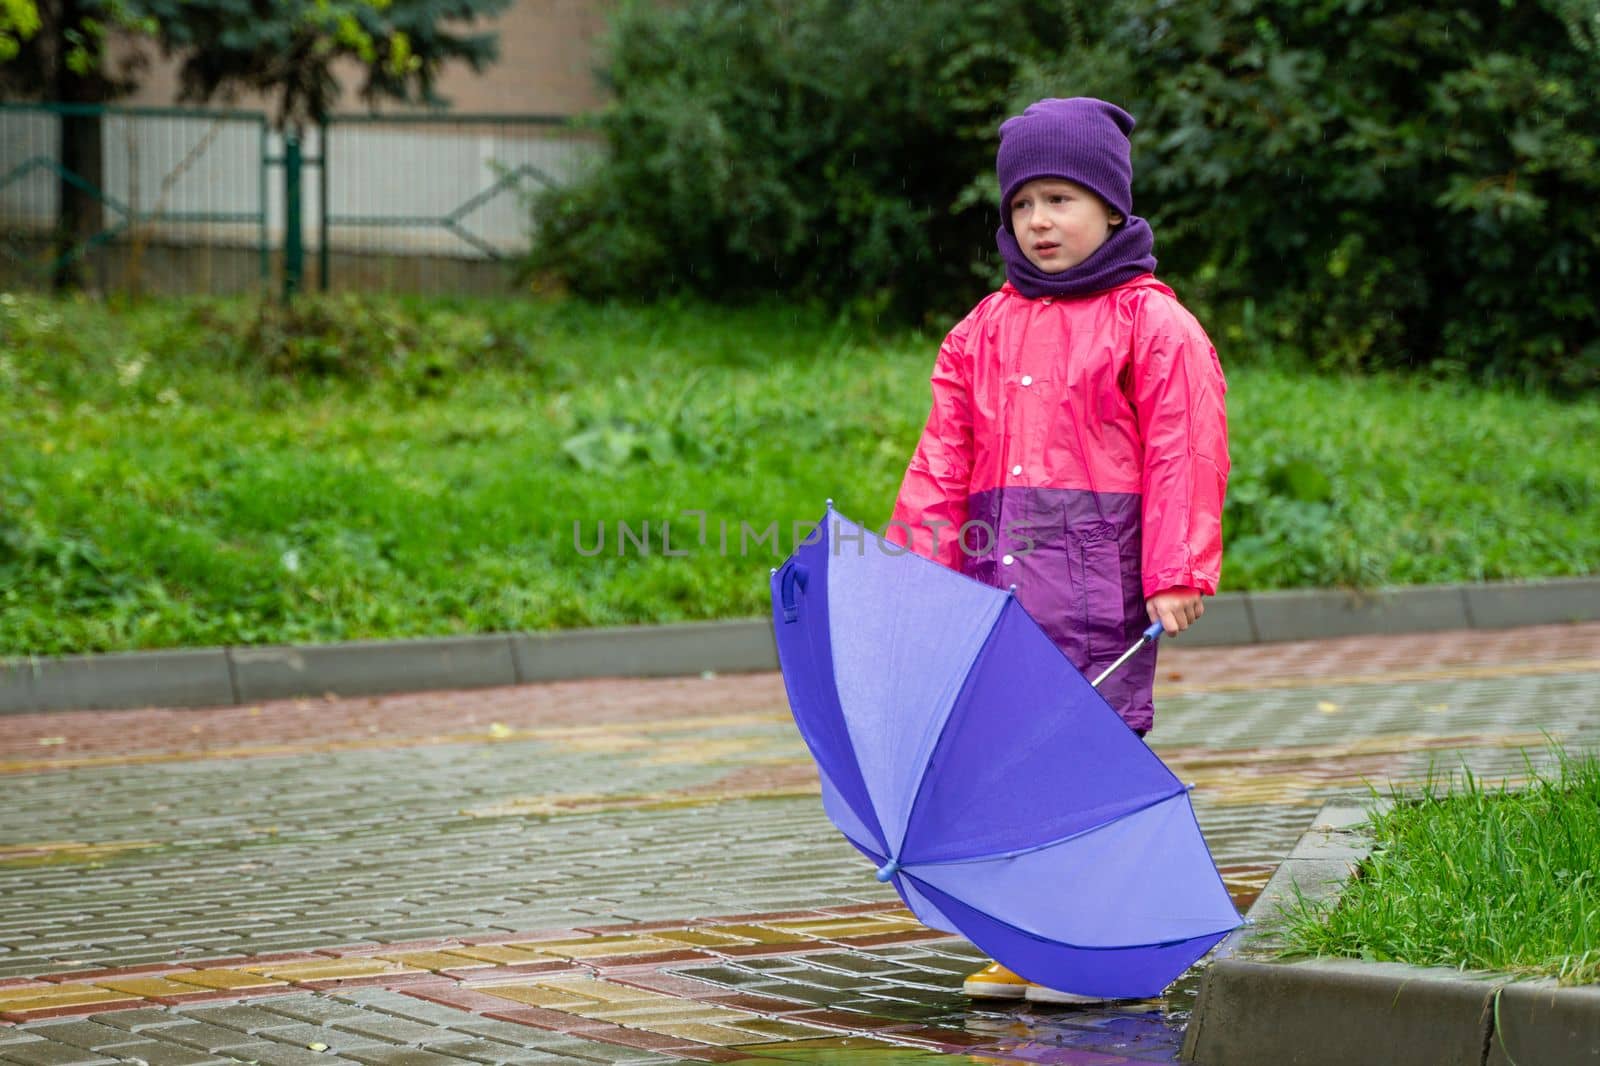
(1365,184)
(1389,185)
(818,149)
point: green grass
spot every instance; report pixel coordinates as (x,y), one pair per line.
(178,474)
(1477,878)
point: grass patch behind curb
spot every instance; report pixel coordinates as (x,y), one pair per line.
(1475,877)
(198,473)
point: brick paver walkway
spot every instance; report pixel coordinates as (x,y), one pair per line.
(625,871)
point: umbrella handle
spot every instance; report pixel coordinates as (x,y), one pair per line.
(1150,636)
(794,575)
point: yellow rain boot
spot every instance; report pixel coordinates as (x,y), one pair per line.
(995,982)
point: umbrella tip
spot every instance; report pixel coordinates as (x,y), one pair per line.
(1189,787)
(829,502)
(773,572)
(887,871)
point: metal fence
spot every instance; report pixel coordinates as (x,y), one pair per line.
(186,201)
(165,185)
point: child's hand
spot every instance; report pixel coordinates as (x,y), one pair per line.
(1175,608)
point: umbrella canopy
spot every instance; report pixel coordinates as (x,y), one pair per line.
(965,756)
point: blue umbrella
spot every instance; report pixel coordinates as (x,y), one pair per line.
(962,753)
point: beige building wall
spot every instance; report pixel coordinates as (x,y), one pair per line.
(548,53)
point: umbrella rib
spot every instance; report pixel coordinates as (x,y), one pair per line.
(966,683)
(884,817)
(1051,843)
(1012,603)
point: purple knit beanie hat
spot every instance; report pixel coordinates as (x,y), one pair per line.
(1081,139)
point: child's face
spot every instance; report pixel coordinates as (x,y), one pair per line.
(1059,223)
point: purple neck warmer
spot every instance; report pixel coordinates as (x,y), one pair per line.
(1127,253)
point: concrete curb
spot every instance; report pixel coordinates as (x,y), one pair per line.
(371,667)
(1254,1011)
(689,648)
(210,677)
(215,677)
(199,677)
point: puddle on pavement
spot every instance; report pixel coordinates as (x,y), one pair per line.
(843,1051)
(1142,1031)
(1147,1031)
(876,1053)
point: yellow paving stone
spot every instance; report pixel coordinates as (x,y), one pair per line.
(600,947)
(887,919)
(497,953)
(331,970)
(536,995)
(606,991)
(698,750)
(848,931)
(146,986)
(18,993)
(716,1035)
(62,852)
(891,914)
(1274,788)
(435,960)
(700,938)
(602,745)
(764,934)
(14,766)
(36,849)
(224,979)
(719,1016)
(842,927)
(65,995)
(629,730)
(643,1015)
(777,1029)
(565,803)
(669,1008)
(574,941)
(585,948)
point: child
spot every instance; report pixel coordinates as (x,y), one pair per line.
(1077,449)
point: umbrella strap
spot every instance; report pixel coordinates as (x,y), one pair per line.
(794,575)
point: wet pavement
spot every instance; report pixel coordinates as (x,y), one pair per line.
(628,871)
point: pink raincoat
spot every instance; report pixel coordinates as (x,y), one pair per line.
(1082,445)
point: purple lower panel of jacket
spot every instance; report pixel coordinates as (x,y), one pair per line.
(1074,558)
